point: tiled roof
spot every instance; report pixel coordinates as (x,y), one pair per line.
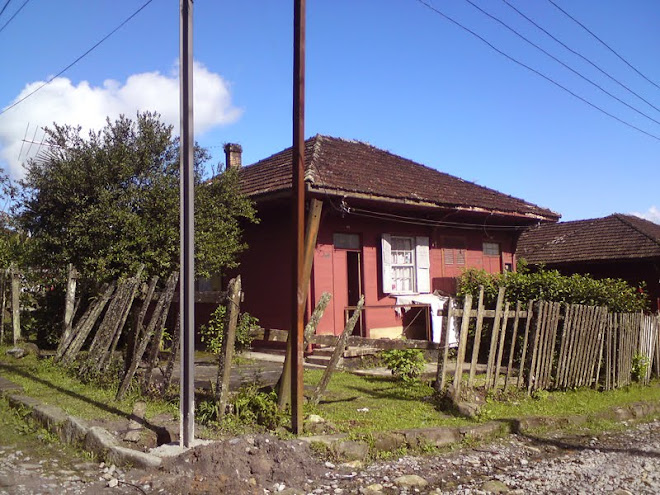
(341,166)
(615,237)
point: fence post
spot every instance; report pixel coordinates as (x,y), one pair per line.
(462,344)
(441,373)
(493,338)
(477,336)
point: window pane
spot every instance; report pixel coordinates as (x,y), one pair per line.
(403,278)
(346,241)
(491,249)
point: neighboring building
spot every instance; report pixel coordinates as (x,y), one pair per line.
(617,246)
(390,228)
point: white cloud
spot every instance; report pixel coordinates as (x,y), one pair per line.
(652,214)
(65,103)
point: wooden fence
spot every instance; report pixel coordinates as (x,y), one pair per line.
(548,345)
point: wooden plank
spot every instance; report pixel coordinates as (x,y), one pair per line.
(554,324)
(608,353)
(442,372)
(514,336)
(532,366)
(462,344)
(494,336)
(529,316)
(477,336)
(601,346)
(574,346)
(588,348)
(570,330)
(226,354)
(544,344)
(562,345)
(338,352)
(500,350)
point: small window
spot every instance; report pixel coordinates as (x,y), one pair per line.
(454,251)
(346,241)
(403,264)
(491,249)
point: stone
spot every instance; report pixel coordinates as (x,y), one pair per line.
(468,409)
(315,418)
(375,488)
(351,450)
(98,440)
(494,486)
(435,437)
(353,465)
(113,483)
(410,481)
(388,441)
(73,431)
(123,456)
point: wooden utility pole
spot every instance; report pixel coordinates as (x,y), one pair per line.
(298,216)
(187,225)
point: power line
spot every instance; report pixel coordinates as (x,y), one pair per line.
(602,71)
(15,14)
(602,42)
(4,7)
(80,57)
(496,19)
(547,78)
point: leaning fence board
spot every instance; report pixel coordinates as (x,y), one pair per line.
(601,346)
(583,347)
(477,336)
(494,336)
(514,336)
(562,345)
(441,374)
(554,324)
(532,363)
(462,343)
(500,350)
(521,367)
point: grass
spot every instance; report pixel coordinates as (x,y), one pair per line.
(574,402)
(353,404)
(52,384)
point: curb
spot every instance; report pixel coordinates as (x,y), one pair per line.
(446,436)
(74,431)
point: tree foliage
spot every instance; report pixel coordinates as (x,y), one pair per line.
(550,285)
(109,202)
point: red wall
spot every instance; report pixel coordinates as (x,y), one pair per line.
(266,266)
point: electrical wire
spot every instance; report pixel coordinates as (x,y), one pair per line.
(426,222)
(12,17)
(575,52)
(602,42)
(125,21)
(596,85)
(547,78)
(4,7)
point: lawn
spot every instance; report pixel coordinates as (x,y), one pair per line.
(352,403)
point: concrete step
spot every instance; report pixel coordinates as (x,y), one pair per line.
(349,352)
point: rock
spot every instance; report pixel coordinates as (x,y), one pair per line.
(468,409)
(113,483)
(389,441)
(375,488)
(494,486)
(353,465)
(410,481)
(351,450)
(15,352)
(315,418)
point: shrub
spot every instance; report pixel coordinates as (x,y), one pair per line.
(640,365)
(212,333)
(406,364)
(550,285)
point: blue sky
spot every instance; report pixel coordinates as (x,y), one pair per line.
(389,72)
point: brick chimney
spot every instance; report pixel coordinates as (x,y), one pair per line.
(233,155)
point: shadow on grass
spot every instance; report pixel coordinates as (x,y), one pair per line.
(163,436)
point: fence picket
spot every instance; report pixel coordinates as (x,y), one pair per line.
(521,367)
(494,335)
(477,336)
(462,344)
(512,350)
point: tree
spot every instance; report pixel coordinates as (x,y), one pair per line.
(110,202)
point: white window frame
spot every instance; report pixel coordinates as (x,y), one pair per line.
(421,282)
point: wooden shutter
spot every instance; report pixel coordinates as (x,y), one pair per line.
(386,245)
(423,264)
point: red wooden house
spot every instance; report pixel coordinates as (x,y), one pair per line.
(389,228)
(617,246)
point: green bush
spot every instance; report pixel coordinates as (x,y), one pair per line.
(212,333)
(640,365)
(550,285)
(406,364)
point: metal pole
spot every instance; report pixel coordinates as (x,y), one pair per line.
(298,215)
(187,232)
